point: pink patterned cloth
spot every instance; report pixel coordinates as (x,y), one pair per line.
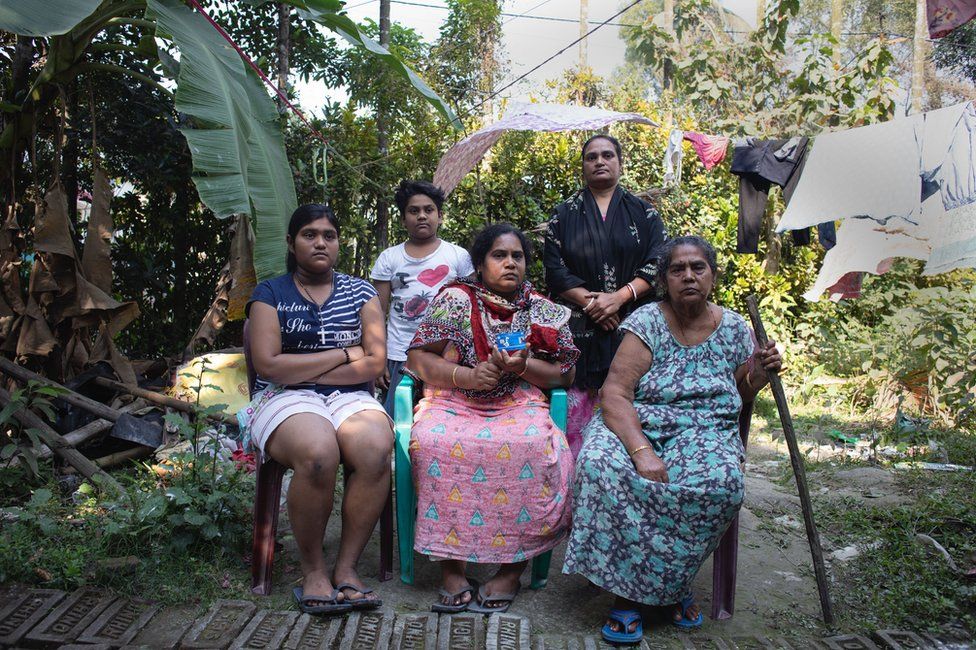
(946,15)
(711,149)
(464,156)
(583,404)
(492,476)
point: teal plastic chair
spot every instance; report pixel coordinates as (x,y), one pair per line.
(406,497)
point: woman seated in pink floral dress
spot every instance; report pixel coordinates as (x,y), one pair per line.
(492,471)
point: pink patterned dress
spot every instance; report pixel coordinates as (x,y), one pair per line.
(492,472)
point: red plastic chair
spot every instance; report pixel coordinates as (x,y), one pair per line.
(267,497)
(725,558)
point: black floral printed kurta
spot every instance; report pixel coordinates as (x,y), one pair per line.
(584,250)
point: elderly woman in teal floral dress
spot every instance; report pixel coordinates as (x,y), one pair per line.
(659,477)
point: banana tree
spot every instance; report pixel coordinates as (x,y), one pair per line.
(234,136)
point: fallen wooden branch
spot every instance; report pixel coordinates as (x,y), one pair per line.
(118,458)
(161,400)
(135,429)
(799,472)
(24,375)
(61,447)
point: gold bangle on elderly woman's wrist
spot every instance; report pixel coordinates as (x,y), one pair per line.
(641,448)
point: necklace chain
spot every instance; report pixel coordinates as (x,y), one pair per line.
(677,319)
(318,310)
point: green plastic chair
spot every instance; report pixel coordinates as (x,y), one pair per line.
(406,497)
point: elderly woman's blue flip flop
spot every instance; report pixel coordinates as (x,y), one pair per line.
(624,617)
(685,622)
(330,604)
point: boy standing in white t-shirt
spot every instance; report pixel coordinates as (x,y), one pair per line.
(408,276)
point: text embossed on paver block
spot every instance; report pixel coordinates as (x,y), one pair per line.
(71,617)
(314,633)
(23,611)
(267,629)
(220,626)
(119,623)
(415,632)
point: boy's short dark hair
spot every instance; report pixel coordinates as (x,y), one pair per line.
(409,189)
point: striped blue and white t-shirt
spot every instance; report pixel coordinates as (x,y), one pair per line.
(308,328)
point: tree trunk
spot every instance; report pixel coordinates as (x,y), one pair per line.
(918,56)
(19,69)
(382,138)
(836,27)
(181,244)
(284,48)
(69,157)
(584,27)
(668,71)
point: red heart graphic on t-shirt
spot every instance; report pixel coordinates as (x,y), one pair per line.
(431,277)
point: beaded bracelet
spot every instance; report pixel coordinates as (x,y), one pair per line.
(346,352)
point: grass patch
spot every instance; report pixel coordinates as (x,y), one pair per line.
(175,542)
(899,582)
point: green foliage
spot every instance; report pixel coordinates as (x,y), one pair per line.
(238,151)
(197,505)
(753,86)
(907,338)
(25,443)
(58,17)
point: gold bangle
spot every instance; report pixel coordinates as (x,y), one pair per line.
(524,370)
(641,448)
(454,376)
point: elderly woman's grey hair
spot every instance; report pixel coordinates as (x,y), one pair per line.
(666,250)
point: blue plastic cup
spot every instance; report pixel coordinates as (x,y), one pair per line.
(510,341)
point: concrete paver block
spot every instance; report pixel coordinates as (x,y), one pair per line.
(119,623)
(267,629)
(70,618)
(415,632)
(593,642)
(314,632)
(557,642)
(705,642)
(753,643)
(507,632)
(850,642)
(220,626)
(367,631)
(461,632)
(900,639)
(164,630)
(23,610)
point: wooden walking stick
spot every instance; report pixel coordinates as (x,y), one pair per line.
(796,460)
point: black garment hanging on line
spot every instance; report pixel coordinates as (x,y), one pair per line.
(759,164)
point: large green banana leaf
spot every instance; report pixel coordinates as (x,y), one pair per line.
(324,13)
(43,17)
(238,152)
